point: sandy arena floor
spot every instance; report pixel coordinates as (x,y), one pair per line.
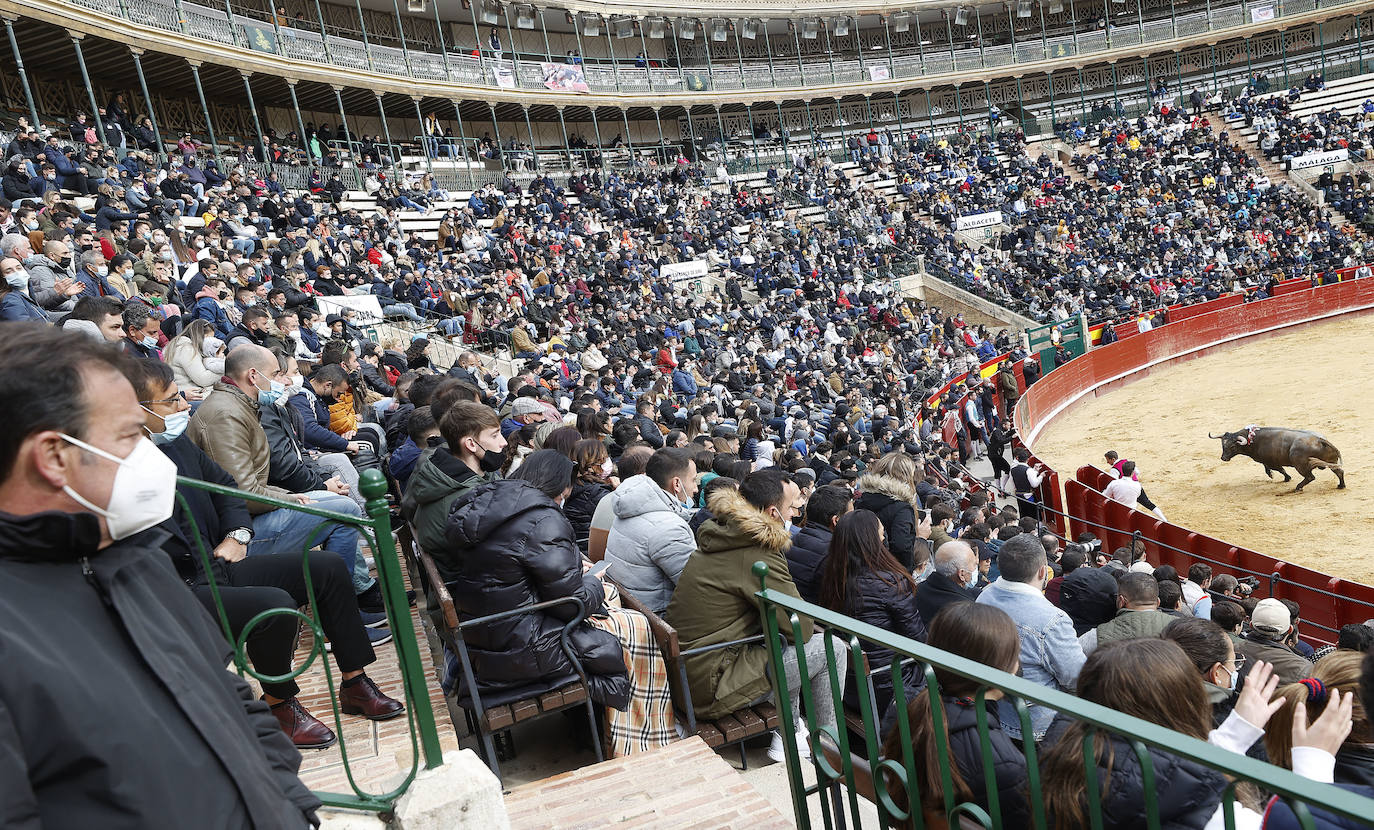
(1293,380)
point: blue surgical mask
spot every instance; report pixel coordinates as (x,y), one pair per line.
(269,396)
(19,280)
(972,580)
(149,342)
(172,426)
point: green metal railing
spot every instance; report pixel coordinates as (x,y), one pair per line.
(905,805)
(375,528)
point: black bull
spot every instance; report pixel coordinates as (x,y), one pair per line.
(1276,448)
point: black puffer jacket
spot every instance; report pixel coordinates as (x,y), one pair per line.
(579,507)
(887,602)
(806,559)
(895,503)
(1187,793)
(1008,764)
(517,549)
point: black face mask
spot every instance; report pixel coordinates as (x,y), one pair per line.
(224,295)
(492,460)
(64,263)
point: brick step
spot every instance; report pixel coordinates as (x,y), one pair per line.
(682,785)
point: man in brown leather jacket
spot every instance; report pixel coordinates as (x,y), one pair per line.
(227,428)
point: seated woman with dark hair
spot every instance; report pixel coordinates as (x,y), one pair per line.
(861,578)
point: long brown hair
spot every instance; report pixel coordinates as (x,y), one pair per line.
(590,454)
(1339,672)
(1152,679)
(857,546)
(983,633)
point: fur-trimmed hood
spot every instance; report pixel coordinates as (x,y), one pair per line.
(887,486)
(738,524)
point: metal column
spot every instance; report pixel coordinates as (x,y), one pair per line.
(529,127)
(324,36)
(600,146)
(296,107)
(343,119)
(209,122)
(496,136)
(753,139)
(405,50)
(362,23)
(386,130)
(567,145)
(90,92)
(443,50)
(253,108)
(648,69)
(143,85)
(629,143)
(463,146)
(24,76)
(424,149)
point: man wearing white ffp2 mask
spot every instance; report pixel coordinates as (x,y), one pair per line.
(78,482)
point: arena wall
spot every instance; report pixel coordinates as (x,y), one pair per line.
(1327,602)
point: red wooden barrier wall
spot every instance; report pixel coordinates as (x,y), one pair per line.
(1327,602)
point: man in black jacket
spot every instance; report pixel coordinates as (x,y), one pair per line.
(811,544)
(105,649)
(955,574)
(250,586)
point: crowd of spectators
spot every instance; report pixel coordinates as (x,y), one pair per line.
(1166,209)
(656,436)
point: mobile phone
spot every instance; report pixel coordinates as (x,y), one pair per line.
(600,567)
(922,515)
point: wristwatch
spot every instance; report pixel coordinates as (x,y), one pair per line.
(242,535)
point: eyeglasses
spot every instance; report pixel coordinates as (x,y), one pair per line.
(1239,661)
(171,400)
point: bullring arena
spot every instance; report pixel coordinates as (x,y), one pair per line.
(1296,379)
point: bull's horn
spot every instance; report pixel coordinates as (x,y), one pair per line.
(1210,435)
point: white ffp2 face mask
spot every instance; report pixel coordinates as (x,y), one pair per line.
(143,491)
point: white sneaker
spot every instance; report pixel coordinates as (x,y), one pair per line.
(777,750)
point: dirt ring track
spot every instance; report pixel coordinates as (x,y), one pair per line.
(1313,377)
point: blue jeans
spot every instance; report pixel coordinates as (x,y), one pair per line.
(282,530)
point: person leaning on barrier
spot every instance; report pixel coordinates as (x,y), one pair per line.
(1186,794)
(985,635)
(88,595)
(250,586)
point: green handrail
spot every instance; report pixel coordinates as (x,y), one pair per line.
(1139,734)
(376,527)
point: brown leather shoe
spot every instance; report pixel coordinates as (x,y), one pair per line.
(304,729)
(364,698)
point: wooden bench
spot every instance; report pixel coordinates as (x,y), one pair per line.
(732,729)
(492,722)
